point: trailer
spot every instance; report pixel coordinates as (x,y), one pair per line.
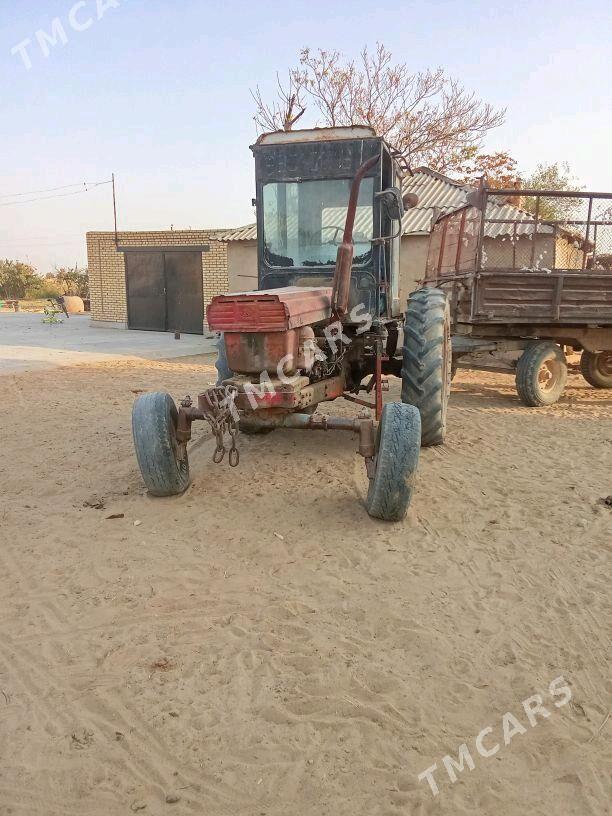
(528,274)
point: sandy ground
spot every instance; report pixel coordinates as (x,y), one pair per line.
(261,646)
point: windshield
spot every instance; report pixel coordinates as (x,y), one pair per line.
(304,222)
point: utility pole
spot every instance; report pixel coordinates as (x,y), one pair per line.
(115,210)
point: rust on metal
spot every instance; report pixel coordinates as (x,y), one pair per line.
(337,133)
(363,426)
(279,395)
(359,401)
(379,386)
(217,407)
(256,352)
(274,310)
(344,260)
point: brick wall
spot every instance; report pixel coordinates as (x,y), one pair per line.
(107,266)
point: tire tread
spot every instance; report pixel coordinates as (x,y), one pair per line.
(152,414)
(427,316)
(527,369)
(399,436)
(590,372)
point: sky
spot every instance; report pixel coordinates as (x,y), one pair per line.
(158,92)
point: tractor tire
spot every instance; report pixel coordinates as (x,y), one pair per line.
(164,467)
(427,361)
(398,445)
(596,368)
(224,372)
(541,374)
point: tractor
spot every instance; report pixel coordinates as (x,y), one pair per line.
(326,322)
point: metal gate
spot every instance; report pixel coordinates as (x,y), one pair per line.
(164,290)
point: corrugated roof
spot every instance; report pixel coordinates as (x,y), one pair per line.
(248,233)
(525,222)
(435,192)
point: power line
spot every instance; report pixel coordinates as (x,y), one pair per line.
(7,239)
(42,198)
(61,195)
(55,189)
(39,244)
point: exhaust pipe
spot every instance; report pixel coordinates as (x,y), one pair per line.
(344,259)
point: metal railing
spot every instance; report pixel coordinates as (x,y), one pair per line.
(524,230)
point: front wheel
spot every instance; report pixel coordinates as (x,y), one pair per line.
(541,374)
(162,459)
(398,445)
(596,368)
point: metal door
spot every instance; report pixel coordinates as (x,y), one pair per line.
(184,297)
(164,291)
(146,290)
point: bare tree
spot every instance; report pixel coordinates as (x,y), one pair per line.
(430,117)
(284,112)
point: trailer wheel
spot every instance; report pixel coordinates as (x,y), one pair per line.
(224,372)
(398,445)
(596,368)
(541,374)
(162,460)
(427,361)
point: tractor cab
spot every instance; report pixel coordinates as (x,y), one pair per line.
(305,214)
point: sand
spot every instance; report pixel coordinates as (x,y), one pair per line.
(261,646)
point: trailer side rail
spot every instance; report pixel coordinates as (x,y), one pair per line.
(524,255)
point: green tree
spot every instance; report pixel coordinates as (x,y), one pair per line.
(554,176)
(42,288)
(17,279)
(70,281)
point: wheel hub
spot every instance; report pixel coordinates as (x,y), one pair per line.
(549,374)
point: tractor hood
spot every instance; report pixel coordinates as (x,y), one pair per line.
(273,310)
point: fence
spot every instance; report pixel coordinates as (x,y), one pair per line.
(524,230)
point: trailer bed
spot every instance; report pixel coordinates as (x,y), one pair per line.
(577,298)
(504,265)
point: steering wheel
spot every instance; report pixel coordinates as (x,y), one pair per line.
(333,240)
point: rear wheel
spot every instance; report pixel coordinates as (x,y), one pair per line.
(398,445)
(162,460)
(596,368)
(427,361)
(541,374)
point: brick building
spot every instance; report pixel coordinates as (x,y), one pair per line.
(160,281)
